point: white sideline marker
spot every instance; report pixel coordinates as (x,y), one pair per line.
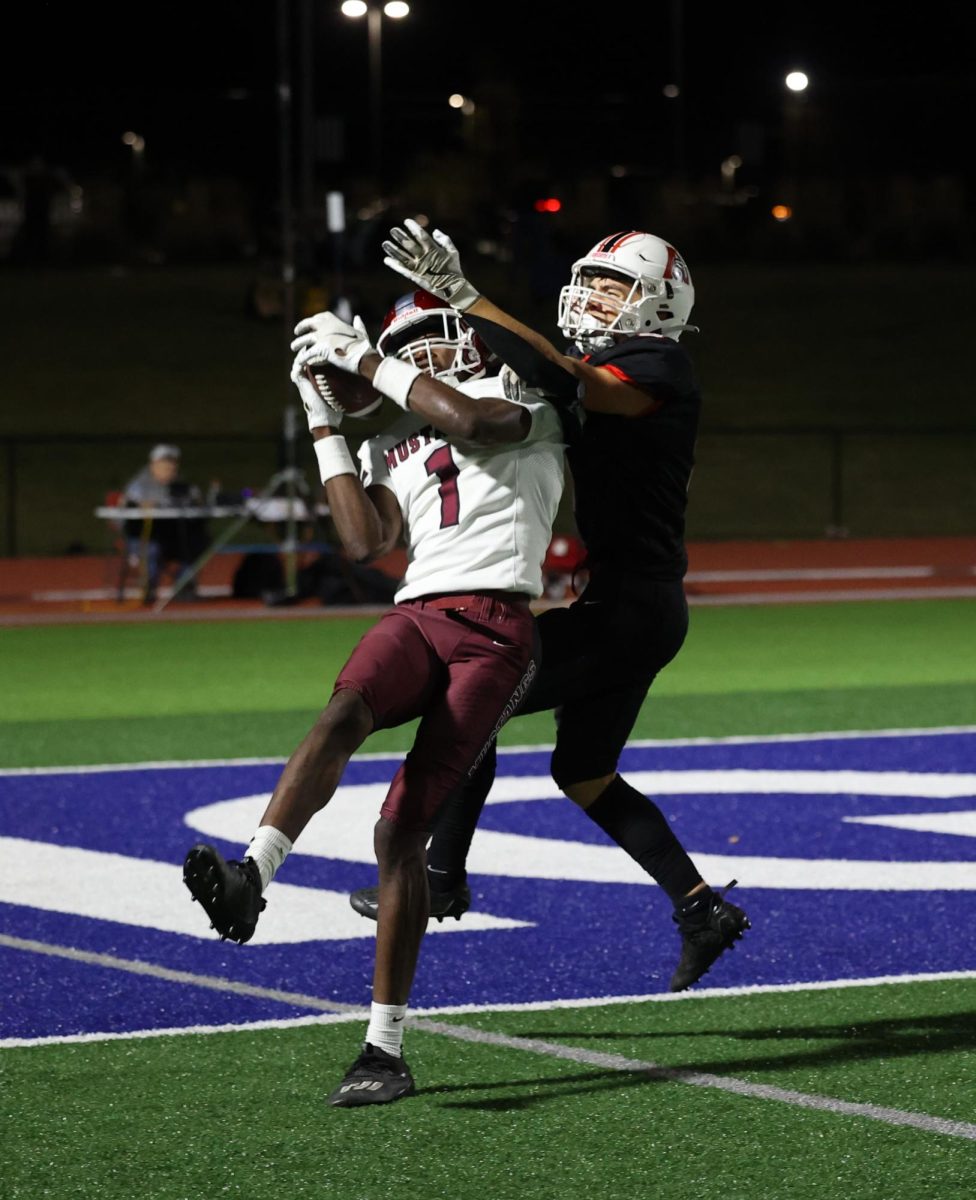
(466,1033)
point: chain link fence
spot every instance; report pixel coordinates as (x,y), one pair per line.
(748,483)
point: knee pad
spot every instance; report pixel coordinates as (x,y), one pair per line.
(576,764)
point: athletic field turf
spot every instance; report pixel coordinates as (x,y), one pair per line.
(823,755)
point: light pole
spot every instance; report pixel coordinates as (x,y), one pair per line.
(674,91)
(796,84)
(396,10)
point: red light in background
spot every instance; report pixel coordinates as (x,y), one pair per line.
(550,205)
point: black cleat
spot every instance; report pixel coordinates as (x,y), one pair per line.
(230,892)
(704,936)
(453,903)
(374,1078)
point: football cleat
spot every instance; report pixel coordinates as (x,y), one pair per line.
(705,934)
(374,1078)
(230,892)
(453,903)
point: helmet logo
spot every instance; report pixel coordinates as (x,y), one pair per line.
(676,268)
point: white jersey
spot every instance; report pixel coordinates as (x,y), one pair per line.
(475,517)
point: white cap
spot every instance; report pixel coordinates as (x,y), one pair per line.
(163,451)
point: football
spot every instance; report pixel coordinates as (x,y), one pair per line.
(351,394)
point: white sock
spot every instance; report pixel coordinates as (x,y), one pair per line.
(386,1027)
(269,848)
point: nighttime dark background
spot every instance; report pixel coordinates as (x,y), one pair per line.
(894,90)
(560,97)
(149,281)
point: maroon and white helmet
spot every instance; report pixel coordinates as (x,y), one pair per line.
(660,299)
(419,323)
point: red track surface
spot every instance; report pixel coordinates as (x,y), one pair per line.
(82,589)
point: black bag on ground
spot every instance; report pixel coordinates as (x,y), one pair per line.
(256,574)
(336,581)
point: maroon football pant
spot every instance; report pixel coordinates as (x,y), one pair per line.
(460,663)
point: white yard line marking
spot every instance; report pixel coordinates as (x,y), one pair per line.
(826,596)
(343,1012)
(750,739)
(153,970)
(724,1083)
(302,613)
(789,575)
(206,589)
(352,1011)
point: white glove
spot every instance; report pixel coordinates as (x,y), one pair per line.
(432,262)
(333,341)
(318,410)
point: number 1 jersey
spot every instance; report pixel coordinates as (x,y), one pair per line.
(475,517)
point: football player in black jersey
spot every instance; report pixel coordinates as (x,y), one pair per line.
(627,303)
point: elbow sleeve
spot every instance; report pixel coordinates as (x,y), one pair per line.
(528,363)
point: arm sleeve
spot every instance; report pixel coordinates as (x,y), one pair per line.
(528,363)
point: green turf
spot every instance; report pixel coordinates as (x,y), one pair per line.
(910,1047)
(275,734)
(243,1115)
(123,693)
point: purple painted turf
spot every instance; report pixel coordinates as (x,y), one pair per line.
(588,939)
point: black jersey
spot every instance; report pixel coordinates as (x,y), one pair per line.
(631,473)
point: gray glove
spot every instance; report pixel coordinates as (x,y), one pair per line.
(430,261)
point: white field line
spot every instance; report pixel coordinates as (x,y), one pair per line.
(420,1021)
(649,743)
(717,600)
(759,575)
(249,611)
(155,971)
(205,589)
(256,611)
(795,574)
(724,1083)
(338,1012)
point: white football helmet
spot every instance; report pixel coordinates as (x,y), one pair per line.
(660,298)
(418,324)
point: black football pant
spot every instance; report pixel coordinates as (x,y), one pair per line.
(599,658)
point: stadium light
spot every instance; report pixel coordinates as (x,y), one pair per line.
(729,167)
(136,144)
(396,10)
(464,103)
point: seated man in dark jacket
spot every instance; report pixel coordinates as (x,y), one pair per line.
(154,540)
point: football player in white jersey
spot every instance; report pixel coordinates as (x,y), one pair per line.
(470,477)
